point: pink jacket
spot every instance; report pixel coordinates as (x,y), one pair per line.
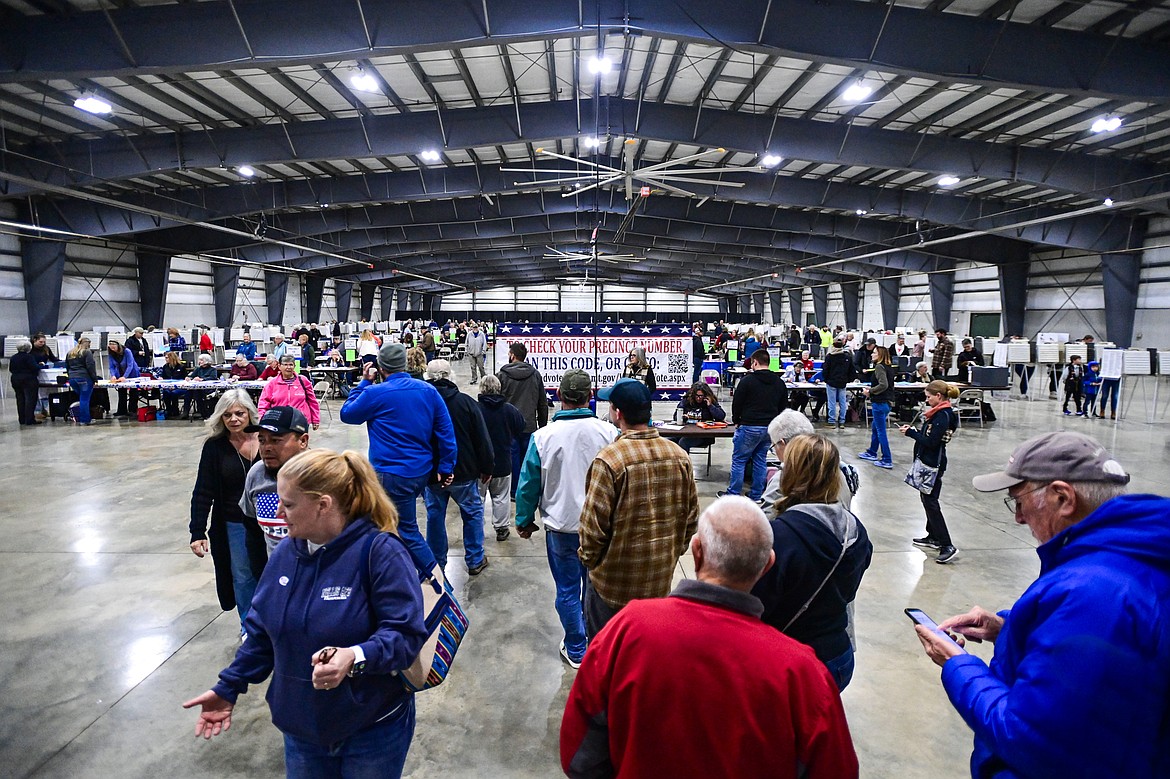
(299,394)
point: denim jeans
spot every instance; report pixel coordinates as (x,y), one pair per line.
(569,576)
(1110,390)
(499,487)
(404,492)
(378,752)
(466,495)
(751,442)
(519,449)
(838,404)
(880,435)
(84,390)
(243,580)
(841,669)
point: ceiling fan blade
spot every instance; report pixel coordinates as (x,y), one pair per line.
(662,177)
(703,171)
(628,153)
(577,160)
(681,160)
(676,190)
(594,185)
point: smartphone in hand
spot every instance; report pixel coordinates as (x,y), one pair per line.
(919,617)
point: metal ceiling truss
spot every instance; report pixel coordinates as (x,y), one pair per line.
(901,40)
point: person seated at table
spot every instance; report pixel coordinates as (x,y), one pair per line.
(173,370)
(335,347)
(204,371)
(175,342)
(922,373)
(271,367)
(698,405)
(242,370)
(337,360)
(123,366)
(247,347)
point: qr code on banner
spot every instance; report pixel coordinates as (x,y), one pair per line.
(678,363)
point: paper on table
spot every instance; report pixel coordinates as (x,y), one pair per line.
(671,426)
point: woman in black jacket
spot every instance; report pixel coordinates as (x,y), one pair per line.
(822,551)
(930,446)
(25,369)
(638,368)
(82,372)
(236,542)
(881,394)
(698,405)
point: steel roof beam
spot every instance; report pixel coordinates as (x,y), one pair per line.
(907,41)
(113,159)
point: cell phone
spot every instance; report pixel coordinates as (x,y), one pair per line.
(919,617)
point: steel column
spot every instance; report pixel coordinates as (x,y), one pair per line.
(343,297)
(367,291)
(758,306)
(796,304)
(314,292)
(851,300)
(275,295)
(227,279)
(889,288)
(387,303)
(1013,296)
(43,264)
(942,299)
(154,272)
(820,296)
(776,303)
(1121,278)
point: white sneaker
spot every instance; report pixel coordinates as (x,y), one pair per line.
(565,656)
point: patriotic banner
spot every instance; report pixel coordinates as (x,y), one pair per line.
(601,350)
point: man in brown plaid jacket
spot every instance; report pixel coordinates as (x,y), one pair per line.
(641,509)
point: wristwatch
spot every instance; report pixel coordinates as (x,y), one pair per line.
(359,661)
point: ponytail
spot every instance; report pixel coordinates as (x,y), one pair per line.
(369,499)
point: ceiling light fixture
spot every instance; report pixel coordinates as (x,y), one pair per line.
(430,155)
(364,82)
(247,171)
(1109,202)
(771,160)
(1106,124)
(600,65)
(948,180)
(93,105)
(591,142)
(856,92)
(861,212)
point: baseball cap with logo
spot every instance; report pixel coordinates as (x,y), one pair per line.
(575,386)
(281,420)
(626,395)
(1062,455)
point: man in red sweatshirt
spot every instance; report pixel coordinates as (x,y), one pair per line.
(695,685)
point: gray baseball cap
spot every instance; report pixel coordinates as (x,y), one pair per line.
(1063,455)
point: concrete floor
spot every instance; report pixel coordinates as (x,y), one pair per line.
(110,622)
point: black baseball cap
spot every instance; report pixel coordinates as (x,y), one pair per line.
(281,420)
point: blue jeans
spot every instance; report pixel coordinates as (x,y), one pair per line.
(519,449)
(838,404)
(1110,390)
(378,752)
(569,576)
(243,580)
(84,390)
(880,436)
(841,669)
(751,442)
(403,492)
(467,497)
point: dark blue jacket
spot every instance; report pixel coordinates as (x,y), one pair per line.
(930,443)
(473,443)
(1079,686)
(305,602)
(407,422)
(505,423)
(124,367)
(248,349)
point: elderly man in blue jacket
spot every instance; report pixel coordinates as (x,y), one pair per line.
(1079,685)
(412,440)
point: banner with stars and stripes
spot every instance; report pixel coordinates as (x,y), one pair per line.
(602,350)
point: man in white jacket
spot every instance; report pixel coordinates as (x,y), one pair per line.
(476,352)
(553,478)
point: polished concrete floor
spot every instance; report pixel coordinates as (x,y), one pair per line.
(109,622)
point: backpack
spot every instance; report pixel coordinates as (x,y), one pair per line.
(445,622)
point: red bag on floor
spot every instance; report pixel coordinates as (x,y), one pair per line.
(146,414)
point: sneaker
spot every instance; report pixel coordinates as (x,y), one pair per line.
(867,456)
(502,533)
(762,503)
(574,664)
(889,466)
(1067,413)
(478,569)
(948,554)
(926,542)
(1080,413)
(723,493)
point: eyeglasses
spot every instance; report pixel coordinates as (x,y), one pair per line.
(1013,504)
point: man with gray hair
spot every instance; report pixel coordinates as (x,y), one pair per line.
(705,642)
(505,423)
(787,425)
(473,463)
(476,352)
(1079,684)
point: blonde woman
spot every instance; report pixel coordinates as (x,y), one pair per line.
(822,551)
(416,362)
(344,711)
(82,372)
(234,540)
(368,347)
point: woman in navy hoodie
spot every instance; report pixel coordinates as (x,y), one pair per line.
(344,711)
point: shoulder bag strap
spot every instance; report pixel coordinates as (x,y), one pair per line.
(813,597)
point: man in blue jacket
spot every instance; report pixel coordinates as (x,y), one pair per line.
(1080,684)
(412,441)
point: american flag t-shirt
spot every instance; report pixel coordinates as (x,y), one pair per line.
(266,503)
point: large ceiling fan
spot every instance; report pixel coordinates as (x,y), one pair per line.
(662,175)
(591,256)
